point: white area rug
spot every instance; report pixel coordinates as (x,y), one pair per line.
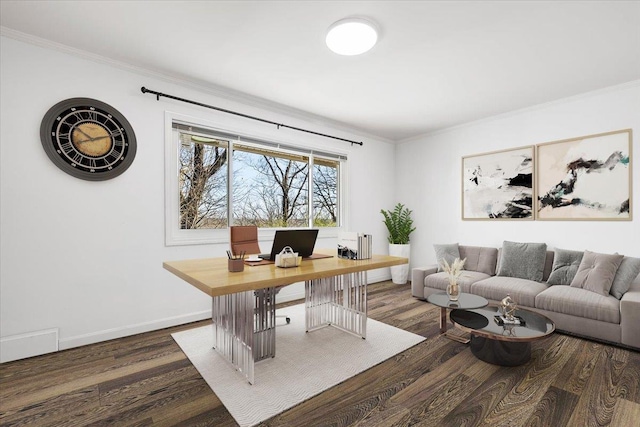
(306,364)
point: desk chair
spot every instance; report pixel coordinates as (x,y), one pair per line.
(245,238)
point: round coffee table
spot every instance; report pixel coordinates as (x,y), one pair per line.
(465,301)
(504,345)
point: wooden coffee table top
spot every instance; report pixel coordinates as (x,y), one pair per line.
(481,322)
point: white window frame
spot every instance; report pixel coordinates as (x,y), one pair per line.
(175,236)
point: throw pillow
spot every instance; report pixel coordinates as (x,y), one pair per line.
(596,272)
(522,260)
(565,266)
(448,252)
(627,272)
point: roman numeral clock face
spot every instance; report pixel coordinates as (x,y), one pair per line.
(88,139)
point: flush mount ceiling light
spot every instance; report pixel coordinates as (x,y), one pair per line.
(352,36)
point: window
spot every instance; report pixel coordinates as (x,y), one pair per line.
(325,193)
(220,179)
(202,181)
(270,187)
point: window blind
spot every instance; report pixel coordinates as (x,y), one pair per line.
(216,134)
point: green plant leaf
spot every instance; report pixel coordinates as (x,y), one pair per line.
(399,224)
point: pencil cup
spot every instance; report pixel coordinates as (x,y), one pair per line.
(236,265)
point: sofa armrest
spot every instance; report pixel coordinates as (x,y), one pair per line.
(417,279)
(630,315)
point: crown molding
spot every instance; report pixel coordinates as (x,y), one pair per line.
(513,113)
(206,87)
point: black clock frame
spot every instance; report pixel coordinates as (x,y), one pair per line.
(66,115)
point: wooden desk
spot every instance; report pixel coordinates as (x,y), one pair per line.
(243,309)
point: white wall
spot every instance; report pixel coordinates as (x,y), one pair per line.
(85,258)
(428,171)
(82,261)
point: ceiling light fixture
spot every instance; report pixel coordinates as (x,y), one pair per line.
(351,36)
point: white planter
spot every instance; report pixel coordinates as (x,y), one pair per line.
(400,273)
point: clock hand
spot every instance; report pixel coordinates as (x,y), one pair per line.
(100,137)
(84,133)
(93,139)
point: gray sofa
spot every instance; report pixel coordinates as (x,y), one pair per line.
(573,310)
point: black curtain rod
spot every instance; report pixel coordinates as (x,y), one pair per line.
(246,116)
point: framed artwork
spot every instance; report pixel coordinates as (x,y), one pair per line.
(498,185)
(586,178)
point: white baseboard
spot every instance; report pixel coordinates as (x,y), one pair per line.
(154,325)
(290,297)
(42,342)
(30,344)
(376,276)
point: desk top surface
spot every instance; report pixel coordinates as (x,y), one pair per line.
(212,277)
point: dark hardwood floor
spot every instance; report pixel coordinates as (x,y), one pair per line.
(146,380)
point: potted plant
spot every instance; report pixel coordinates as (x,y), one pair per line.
(400,226)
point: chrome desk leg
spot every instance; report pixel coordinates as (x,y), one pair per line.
(244,328)
(264,326)
(339,301)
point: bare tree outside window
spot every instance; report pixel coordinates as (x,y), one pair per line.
(202,182)
(325,194)
(278,196)
(269,187)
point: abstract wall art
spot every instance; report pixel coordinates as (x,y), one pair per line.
(586,178)
(498,185)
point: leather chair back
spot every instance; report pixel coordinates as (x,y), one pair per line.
(244,238)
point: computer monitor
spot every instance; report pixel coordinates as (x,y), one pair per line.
(301,241)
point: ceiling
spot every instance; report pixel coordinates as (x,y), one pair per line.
(436,65)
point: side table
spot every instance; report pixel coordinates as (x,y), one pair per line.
(465,302)
(504,345)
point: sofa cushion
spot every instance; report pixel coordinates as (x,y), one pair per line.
(522,291)
(565,266)
(448,252)
(523,260)
(441,280)
(596,272)
(548,265)
(479,258)
(579,302)
(626,274)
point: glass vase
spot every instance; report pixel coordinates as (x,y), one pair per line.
(453,291)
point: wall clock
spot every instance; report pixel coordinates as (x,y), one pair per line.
(88,139)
